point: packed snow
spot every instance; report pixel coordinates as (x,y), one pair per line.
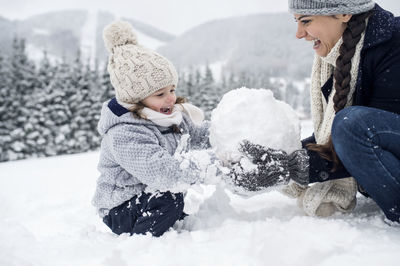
(46,218)
(255,115)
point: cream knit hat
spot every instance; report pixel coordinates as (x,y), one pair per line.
(135,71)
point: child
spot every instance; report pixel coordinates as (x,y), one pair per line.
(141,129)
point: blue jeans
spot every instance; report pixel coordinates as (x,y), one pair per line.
(367,141)
(146,213)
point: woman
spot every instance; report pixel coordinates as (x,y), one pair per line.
(355,99)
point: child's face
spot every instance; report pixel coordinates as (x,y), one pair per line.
(162,100)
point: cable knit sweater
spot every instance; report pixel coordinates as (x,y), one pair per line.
(137,154)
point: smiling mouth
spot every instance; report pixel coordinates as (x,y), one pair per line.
(316,43)
(166,110)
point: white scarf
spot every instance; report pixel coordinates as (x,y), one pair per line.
(323,112)
(175,118)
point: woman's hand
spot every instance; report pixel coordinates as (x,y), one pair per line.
(264,167)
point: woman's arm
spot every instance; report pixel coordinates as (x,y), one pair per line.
(320,169)
(380,86)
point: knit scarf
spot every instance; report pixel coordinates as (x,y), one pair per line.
(323,112)
(175,118)
(339,193)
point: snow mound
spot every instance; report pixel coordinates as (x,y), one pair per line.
(255,115)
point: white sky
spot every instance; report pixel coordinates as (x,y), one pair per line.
(174,16)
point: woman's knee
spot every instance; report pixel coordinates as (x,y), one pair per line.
(350,122)
(349,126)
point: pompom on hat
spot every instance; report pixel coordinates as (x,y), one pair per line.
(118,33)
(330,7)
(135,71)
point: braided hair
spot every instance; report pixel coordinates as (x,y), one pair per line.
(342,77)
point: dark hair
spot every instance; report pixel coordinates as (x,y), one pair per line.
(137,108)
(342,77)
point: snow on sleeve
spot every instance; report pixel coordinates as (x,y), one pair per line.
(255,115)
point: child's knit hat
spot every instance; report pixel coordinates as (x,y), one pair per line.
(330,7)
(135,71)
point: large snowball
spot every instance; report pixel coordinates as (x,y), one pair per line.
(255,115)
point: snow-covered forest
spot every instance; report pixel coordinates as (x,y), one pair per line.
(52,107)
(48,109)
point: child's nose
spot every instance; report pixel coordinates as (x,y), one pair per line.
(170,98)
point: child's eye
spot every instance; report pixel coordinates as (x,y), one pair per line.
(305,22)
(161,94)
(172,90)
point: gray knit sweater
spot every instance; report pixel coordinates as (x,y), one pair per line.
(137,154)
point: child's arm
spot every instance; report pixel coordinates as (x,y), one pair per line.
(138,151)
(199,135)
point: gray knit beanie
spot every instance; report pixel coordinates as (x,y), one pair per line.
(135,71)
(330,7)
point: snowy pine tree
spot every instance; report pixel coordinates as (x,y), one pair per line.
(22,74)
(207,93)
(39,126)
(98,88)
(5,105)
(80,104)
(105,87)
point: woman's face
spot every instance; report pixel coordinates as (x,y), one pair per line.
(162,100)
(323,31)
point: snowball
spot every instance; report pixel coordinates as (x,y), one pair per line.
(255,115)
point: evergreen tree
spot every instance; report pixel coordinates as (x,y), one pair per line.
(39,126)
(81,103)
(224,83)
(243,80)
(197,78)
(71,75)
(292,95)
(207,93)
(62,88)
(189,84)
(105,87)
(22,85)
(232,81)
(5,105)
(181,89)
(305,101)
(95,99)
(208,77)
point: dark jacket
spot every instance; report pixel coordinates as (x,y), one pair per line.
(378,82)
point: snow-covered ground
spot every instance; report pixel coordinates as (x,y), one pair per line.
(46,219)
